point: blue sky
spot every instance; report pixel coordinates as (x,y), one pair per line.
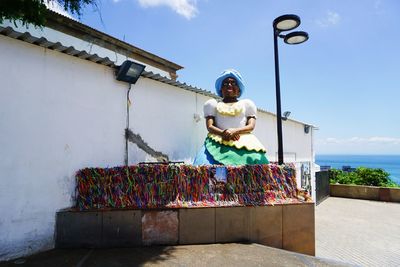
(345,80)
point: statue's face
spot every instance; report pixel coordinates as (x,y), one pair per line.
(230,88)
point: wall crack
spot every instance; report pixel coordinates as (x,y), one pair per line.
(138,140)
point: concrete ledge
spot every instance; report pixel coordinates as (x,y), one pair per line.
(289,226)
(160,227)
(122,228)
(232,224)
(266,226)
(298,228)
(202,220)
(82,229)
(387,194)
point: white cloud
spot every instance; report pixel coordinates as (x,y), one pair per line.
(186,8)
(332,18)
(379,7)
(56,7)
(377,4)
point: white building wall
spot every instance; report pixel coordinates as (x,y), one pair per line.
(164,116)
(59,114)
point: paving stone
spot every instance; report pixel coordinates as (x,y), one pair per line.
(160,227)
(360,232)
(395,194)
(197,226)
(122,228)
(232,224)
(266,225)
(384,194)
(298,228)
(78,229)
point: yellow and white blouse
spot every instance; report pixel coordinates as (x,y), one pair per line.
(233,115)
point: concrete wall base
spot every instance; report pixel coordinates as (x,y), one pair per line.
(290,227)
(387,194)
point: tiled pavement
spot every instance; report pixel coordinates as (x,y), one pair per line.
(361,232)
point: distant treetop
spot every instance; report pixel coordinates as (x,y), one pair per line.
(35,11)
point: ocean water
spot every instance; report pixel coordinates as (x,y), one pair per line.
(390,163)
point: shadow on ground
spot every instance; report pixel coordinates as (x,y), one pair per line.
(232,254)
(95,257)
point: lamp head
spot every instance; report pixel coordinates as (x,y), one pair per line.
(286,22)
(286,115)
(297,37)
(129,72)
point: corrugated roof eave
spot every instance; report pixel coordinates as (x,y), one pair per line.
(82,54)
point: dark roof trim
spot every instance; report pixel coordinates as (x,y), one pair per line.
(74,28)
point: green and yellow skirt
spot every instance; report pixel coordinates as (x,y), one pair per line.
(246,151)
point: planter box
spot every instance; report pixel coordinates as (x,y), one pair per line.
(290,227)
(365,192)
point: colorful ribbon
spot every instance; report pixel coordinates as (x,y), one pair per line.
(162,186)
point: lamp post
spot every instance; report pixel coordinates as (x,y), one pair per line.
(128,72)
(281,24)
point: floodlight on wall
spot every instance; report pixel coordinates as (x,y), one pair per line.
(286,115)
(129,72)
(307,128)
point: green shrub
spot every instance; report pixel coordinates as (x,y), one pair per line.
(362,176)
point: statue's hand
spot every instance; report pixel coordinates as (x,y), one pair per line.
(230,134)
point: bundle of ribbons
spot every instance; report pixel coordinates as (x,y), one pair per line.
(146,186)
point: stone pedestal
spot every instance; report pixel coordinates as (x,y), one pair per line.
(289,226)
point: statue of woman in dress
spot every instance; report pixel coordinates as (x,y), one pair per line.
(230,123)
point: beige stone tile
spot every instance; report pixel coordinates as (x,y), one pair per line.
(160,227)
(232,224)
(298,228)
(122,228)
(78,229)
(354,191)
(384,194)
(395,194)
(266,225)
(197,226)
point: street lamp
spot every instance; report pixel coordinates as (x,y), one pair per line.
(128,72)
(281,24)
